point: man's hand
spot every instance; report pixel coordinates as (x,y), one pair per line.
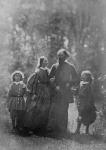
(57,88)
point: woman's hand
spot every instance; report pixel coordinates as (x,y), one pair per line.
(57,88)
(34,96)
(52,80)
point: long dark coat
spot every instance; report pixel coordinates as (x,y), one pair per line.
(64,77)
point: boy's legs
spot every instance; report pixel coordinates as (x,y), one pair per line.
(20,117)
(13,118)
(87,129)
(78,125)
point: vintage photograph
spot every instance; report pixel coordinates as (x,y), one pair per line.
(52,74)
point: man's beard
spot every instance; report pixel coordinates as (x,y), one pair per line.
(61,60)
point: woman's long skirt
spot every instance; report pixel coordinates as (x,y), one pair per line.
(36,115)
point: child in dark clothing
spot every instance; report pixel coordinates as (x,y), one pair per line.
(85,103)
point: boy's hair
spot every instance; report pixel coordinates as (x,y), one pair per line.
(87,75)
(15,73)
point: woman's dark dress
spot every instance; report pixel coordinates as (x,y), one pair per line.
(65,75)
(38,109)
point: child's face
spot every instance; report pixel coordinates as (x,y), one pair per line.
(84,78)
(17,78)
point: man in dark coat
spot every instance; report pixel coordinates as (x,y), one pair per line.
(64,76)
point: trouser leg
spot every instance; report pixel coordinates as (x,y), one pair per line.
(20,115)
(87,129)
(78,125)
(13,118)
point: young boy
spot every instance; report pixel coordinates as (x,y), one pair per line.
(85,103)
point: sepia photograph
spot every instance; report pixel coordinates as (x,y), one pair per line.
(52,74)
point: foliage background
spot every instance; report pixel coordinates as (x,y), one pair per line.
(31,28)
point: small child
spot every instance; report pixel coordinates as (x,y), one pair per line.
(16,101)
(85,103)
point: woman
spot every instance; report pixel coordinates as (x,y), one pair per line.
(38,101)
(64,75)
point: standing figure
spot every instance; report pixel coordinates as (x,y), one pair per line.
(16,101)
(85,104)
(38,101)
(63,75)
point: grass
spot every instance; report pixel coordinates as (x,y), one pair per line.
(11,141)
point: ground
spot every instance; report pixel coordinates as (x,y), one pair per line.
(11,141)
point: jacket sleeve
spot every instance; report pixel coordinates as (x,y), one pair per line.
(32,83)
(75,78)
(10,93)
(52,71)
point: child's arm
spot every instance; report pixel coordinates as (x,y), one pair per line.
(9,91)
(9,95)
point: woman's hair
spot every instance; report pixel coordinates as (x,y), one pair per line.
(40,61)
(17,73)
(86,74)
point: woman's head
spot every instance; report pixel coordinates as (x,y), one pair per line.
(42,62)
(17,76)
(63,55)
(86,76)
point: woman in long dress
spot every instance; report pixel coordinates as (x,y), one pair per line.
(38,101)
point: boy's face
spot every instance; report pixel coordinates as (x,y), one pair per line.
(84,78)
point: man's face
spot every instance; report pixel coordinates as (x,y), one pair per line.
(61,59)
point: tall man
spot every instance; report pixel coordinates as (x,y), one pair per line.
(65,76)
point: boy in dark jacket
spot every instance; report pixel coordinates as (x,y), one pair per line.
(85,103)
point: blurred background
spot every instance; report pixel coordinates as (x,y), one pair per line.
(32,28)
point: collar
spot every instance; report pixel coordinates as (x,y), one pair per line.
(43,68)
(20,82)
(83,83)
